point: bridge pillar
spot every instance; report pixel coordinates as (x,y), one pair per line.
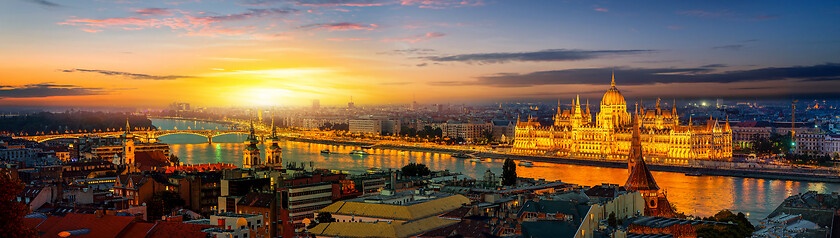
(209,139)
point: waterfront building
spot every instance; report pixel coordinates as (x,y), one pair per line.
(366,126)
(251,153)
(575,134)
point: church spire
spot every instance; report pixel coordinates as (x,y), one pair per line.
(674,108)
(127,127)
(587,107)
(273,130)
(658,107)
(640,178)
(726,126)
(612,84)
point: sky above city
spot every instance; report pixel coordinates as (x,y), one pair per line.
(287,53)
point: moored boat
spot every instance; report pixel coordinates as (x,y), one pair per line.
(526,163)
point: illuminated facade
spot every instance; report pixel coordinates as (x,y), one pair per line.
(575,134)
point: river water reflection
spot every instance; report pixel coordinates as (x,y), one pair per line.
(701,196)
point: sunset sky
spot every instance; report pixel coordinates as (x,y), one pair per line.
(279,52)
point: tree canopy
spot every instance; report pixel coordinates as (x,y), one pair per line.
(742,227)
(11,212)
(414,169)
(509,173)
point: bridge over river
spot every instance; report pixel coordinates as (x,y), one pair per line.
(143,135)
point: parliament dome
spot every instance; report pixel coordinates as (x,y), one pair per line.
(613,96)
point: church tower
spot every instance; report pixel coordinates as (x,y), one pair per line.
(251,154)
(641,180)
(273,154)
(128,145)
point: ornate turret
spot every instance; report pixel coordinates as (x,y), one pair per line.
(251,153)
(128,145)
(658,108)
(273,154)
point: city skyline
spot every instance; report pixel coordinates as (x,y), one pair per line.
(287,53)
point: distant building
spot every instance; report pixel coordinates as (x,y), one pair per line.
(366,126)
(316,105)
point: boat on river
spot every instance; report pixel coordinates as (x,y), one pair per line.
(359,152)
(325,151)
(463,155)
(526,164)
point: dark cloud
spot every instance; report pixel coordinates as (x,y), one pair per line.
(45,90)
(753,88)
(728,47)
(410,51)
(153,12)
(646,76)
(422,64)
(319,3)
(128,75)
(765,17)
(44,3)
(251,13)
(714,66)
(543,55)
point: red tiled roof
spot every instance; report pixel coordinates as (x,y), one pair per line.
(164,229)
(105,226)
(146,160)
(137,230)
(32,222)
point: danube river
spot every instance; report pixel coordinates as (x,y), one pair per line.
(701,196)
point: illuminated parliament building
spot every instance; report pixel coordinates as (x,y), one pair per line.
(575,134)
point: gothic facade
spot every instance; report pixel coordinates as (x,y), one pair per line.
(607,137)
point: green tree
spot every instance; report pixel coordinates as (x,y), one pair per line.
(414,169)
(509,173)
(12,212)
(324,217)
(741,228)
